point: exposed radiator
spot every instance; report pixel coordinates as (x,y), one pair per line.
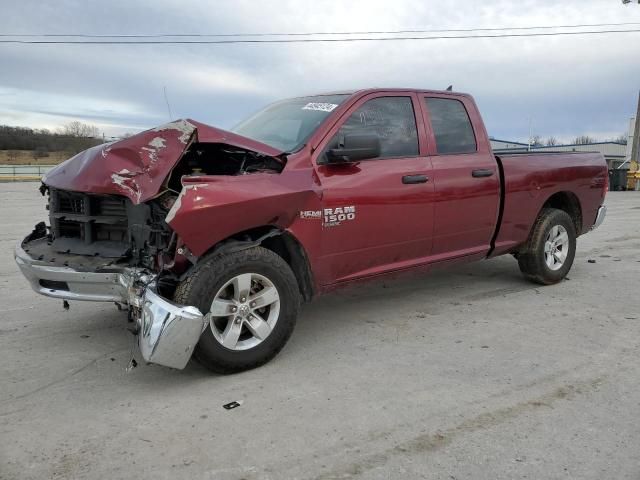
(88,224)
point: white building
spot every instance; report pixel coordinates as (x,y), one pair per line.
(617,154)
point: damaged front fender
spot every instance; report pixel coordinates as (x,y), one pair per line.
(212,209)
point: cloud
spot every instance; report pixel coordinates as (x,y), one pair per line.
(566,85)
(219,79)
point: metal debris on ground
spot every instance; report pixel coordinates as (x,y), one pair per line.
(232,405)
(132,364)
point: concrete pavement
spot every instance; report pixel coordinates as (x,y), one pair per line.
(468,373)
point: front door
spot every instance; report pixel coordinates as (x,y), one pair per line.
(377,213)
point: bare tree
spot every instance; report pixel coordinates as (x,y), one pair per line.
(584,140)
(27,139)
(39,152)
(80,130)
(536,141)
(12,156)
(552,141)
(622,138)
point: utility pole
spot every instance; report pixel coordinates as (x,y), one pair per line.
(633,175)
(635,148)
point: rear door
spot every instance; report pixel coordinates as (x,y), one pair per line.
(465,176)
(377,214)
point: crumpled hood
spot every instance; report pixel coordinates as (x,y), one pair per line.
(137,167)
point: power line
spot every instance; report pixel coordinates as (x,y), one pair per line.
(307,40)
(297,34)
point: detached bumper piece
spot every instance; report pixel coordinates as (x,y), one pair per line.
(167,332)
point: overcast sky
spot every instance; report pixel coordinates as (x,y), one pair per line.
(568,85)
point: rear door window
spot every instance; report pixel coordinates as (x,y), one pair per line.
(451,126)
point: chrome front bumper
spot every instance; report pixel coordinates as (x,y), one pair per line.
(70,284)
(602,212)
(167,332)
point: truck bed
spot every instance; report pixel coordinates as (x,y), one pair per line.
(530,179)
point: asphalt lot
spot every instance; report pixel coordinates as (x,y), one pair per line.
(470,373)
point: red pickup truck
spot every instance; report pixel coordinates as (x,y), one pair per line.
(213,238)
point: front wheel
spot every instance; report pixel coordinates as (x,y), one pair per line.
(551,248)
(251,299)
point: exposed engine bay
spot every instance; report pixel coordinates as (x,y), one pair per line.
(104,232)
(221,159)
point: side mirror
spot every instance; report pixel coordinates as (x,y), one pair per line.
(355,147)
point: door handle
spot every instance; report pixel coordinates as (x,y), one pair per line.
(409,179)
(482,172)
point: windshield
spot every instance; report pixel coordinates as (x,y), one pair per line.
(286,125)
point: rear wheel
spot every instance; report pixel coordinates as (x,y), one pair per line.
(551,248)
(251,299)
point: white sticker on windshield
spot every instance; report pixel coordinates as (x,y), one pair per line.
(323,107)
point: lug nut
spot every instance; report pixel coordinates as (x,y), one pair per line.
(234,309)
(253,304)
(243,299)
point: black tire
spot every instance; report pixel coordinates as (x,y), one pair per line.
(208,277)
(532,259)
